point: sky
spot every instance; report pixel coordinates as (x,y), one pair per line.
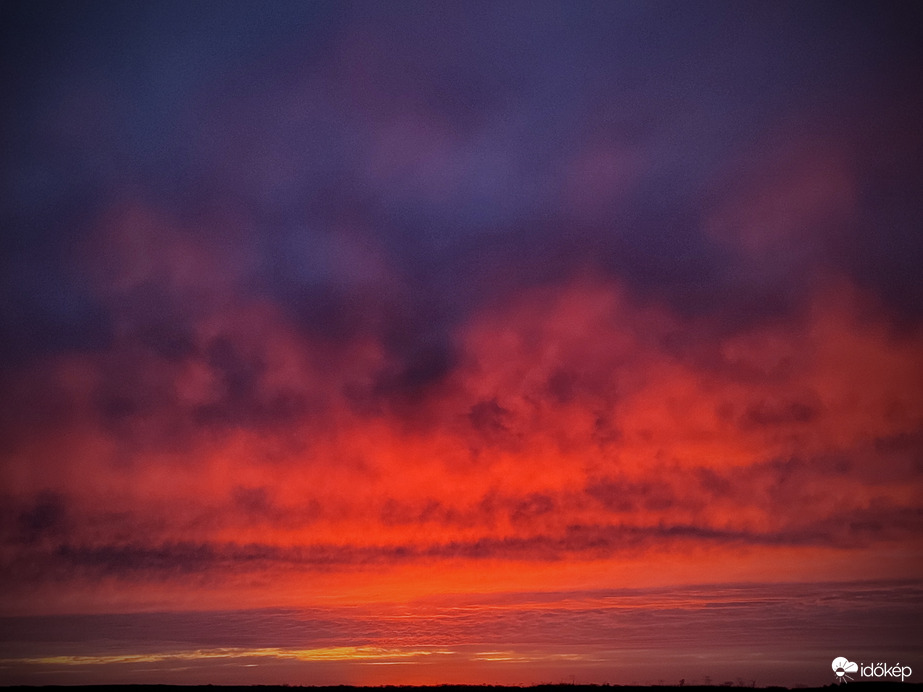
(459,342)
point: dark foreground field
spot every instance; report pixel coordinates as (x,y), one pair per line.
(863,685)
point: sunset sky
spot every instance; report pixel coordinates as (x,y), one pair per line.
(464,342)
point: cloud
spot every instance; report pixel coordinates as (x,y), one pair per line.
(139,562)
(571,427)
(535,284)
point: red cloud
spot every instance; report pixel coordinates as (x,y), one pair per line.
(577,426)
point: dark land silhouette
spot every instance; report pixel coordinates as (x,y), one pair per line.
(563,687)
